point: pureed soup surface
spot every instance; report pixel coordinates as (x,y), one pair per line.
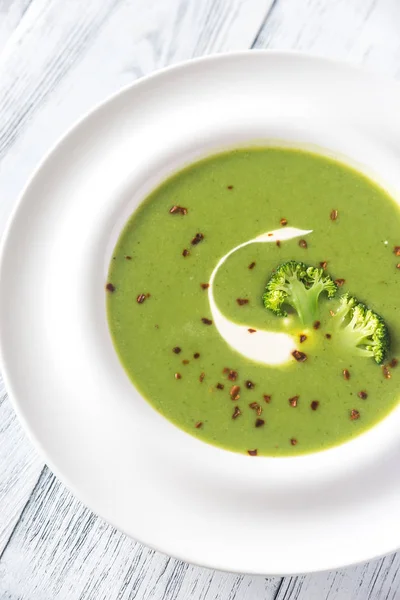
(170,343)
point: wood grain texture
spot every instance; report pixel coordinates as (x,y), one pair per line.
(19,469)
(61,550)
(11,13)
(359,31)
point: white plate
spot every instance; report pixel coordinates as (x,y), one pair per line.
(120,457)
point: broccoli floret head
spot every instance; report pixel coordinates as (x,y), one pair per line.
(361,329)
(299,286)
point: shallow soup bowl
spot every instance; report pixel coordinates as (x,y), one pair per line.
(108,445)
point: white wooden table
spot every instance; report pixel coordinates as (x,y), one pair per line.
(57,59)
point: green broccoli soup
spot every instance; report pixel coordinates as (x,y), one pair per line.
(253,300)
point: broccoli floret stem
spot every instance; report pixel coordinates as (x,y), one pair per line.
(353,338)
(299,286)
(363,352)
(304,301)
(299,301)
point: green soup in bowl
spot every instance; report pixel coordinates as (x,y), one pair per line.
(187,307)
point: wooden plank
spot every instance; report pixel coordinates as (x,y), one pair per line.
(61,59)
(61,550)
(11,13)
(359,31)
(365,32)
(38,56)
(20,468)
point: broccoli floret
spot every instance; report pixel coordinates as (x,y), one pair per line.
(361,329)
(300,286)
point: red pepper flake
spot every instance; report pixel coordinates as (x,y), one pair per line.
(205,286)
(259,422)
(293,441)
(250,385)
(196,355)
(178,376)
(386,372)
(250,330)
(267,398)
(199,424)
(396,250)
(278,243)
(255,406)
(314,404)
(185,253)
(206,321)
(141,298)
(242,301)
(178,210)
(328,336)
(317,324)
(293,401)
(176,350)
(303,244)
(284,222)
(185,362)
(236,412)
(299,356)
(334,215)
(354,414)
(229,187)
(220,386)
(233,375)
(199,237)
(201,378)
(128,257)
(110,287)
(270,234)
(340,282)
(346,374)
(323,264)
(252,452)
(393,363)
(302,338)
(252,265)
(363,395)
(234,392)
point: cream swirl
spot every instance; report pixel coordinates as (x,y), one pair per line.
(263,346)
